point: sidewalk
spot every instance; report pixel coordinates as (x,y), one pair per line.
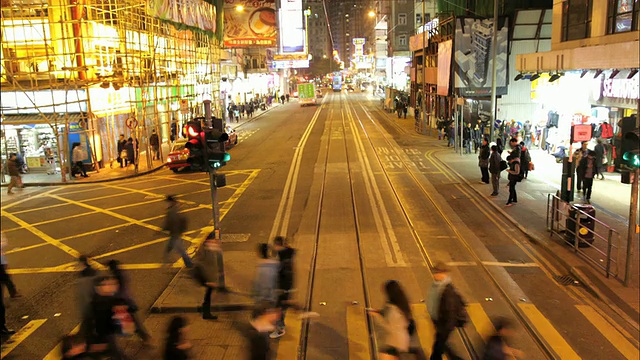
(530,216)
(112,171)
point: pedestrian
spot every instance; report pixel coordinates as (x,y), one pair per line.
(131,151)
(208,267)
(14,173)
(51,160)
(262,323)
(444,305)
(124,292)
(398,323)
(452,136)
(525,159)
(287,96)
(85,288)
(514,177)
(100,329)
(500,146)
(73,348)
(600,153)
(5,278)
(587,171)
(577,157)
(476,136)
(154,142)
(405,109)
(177,344)
(78,155)
(483,160)
(122,152)
(266,280)
(242,109)
(282,99)
(466,138)
(494,169)
(497,347)
(175,223)
(516,150)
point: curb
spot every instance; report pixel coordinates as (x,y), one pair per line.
(573,271)
(255,117)
(92,181)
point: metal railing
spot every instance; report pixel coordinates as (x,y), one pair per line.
(589,237)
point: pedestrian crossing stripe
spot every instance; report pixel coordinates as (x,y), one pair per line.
(358,333)
(17,338)
(288,343)
(611,333)
(481,321)
(424,326)
(551,335)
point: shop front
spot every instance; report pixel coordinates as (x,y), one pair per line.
(602,100)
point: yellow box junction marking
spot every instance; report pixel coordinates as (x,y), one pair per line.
(358,333)
(608,331)
(481,321)
(288,343)
(15,340)
(550,334)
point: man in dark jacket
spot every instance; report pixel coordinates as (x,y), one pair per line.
(100,329)
(599,154)
(443,306)
(514,177)
(121,151)
(14,173)
(494,169)
(483,160)
(466,138)
(175,223)
(285,281)
(257,331)
(154,142)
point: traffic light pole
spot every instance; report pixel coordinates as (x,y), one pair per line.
(633,225)
(215,207)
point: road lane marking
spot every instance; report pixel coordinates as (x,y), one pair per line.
(548,332)
(481,321)
(424,327)
(53,220)
(609,332)
(56,352)
(18,202)
(288,343)
(357,333)
(509,264)
(17,338)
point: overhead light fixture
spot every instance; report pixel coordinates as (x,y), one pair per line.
(534,77)
(555,77)
(632,73)
(614,73)
(518,77)
(584,72)
(598,73)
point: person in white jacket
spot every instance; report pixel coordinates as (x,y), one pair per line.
(398,324)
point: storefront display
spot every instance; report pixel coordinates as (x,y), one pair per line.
(35,143)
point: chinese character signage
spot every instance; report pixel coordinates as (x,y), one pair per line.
(249,23)
(194,13)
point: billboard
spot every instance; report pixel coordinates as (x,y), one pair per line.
(193,13)
(444,67)
(473,64)
(292,36)
(254,24)
(291,64)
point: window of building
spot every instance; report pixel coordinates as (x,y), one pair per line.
(623,16)
(402,19)
(402,40)
(576,19)
(418,19)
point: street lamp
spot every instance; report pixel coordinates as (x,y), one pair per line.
(372,13)
(239,8)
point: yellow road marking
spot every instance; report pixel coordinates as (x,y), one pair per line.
(288,343)
(18,202)
(608,331)
(48,207)
(56,352)
(481,321)
(20,336)
(358,333)
(424,327)
(548,332)
(53,220)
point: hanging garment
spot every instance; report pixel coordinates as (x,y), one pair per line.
(607,130)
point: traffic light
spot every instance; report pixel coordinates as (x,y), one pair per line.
(215,140)
(630,145)
(195,144)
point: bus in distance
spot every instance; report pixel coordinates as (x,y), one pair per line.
(337,83)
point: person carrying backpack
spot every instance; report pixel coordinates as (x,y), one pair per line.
(447,311)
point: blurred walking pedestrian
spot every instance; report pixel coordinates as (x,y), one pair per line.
(600,153)
(497,347)
(14,174)
(124,292)
(495,169)
(483,160)
(444,305)
(85,288)
(266,280)
(398,322)
(514,177)
(100,329)
(5,278)
(208,267)
(78,155)
(177,343)
(175,223)
(262,323)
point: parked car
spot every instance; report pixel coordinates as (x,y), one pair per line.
(177,158)
(233,136)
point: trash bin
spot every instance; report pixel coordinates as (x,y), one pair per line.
(587,225)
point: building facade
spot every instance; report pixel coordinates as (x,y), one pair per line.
(88,72)
(319,41)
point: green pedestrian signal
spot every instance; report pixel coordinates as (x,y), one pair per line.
(632,158)
(218,159)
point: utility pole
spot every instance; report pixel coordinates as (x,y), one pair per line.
(632,232)
(494,44)
(425,121)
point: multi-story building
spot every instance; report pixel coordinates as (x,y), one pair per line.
(424,11)
(92,70)
(318,33)
(590,75)
(348,19)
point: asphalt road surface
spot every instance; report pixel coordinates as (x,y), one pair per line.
(361,200)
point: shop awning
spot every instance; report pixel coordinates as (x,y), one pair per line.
(36,119)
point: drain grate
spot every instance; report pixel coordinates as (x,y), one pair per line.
(566,280)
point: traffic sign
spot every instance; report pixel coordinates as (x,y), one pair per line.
(131,123)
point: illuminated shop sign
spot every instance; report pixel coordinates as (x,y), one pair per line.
(621,88)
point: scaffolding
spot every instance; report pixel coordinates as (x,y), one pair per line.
(94,66)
